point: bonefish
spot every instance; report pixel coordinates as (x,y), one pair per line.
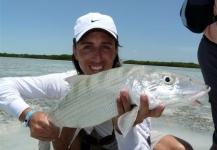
(92,99)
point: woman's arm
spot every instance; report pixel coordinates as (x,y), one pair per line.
(13,91)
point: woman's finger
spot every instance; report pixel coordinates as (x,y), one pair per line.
(124,96)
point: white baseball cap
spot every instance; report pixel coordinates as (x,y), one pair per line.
(94,21)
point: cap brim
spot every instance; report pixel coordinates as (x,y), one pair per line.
(83,32)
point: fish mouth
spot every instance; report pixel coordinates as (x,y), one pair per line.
(200,94)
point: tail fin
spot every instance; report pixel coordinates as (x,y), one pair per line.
(43,145)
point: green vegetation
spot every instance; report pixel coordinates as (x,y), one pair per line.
(69,57)
(170,64)
(54,57)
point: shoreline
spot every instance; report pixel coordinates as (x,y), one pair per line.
(67,57)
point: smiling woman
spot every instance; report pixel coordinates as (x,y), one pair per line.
(95,49)
(95,45)
(95,52)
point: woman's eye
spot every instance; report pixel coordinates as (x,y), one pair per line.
(106,47)
(88,47)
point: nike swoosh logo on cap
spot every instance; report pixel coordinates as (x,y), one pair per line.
(93,21)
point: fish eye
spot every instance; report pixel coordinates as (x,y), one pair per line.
(168,79)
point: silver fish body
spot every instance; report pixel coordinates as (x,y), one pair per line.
(92,99)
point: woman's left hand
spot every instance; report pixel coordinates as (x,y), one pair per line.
(124,105)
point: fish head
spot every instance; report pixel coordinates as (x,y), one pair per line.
(168,88)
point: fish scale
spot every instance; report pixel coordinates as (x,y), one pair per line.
(94,87)
(92,99)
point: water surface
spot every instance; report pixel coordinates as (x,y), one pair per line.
(188,117)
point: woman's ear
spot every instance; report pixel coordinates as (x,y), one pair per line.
(116,51)
(74,52)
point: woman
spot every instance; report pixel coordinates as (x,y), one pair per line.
(95,49)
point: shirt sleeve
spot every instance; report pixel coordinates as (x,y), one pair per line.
(197,14)
(138,138)
(14,90)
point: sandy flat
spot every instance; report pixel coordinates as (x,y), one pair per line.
(200,140)
(19,138)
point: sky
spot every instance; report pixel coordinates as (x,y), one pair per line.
(148,30)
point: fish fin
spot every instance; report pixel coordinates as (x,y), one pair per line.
(126,121)
(74,136)
(60,131)
(197,103)
(88,129)
(43,145)
(73,80)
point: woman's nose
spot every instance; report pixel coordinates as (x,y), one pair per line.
(97,55)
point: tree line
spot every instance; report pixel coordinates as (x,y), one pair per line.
(54,57)
(156,63)
(69,57)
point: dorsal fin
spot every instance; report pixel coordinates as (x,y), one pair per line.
(73,80)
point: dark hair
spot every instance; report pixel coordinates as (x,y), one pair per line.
(116,63)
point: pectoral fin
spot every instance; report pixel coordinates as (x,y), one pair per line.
(197,103)
(74,136)
(126,121)
(88,129)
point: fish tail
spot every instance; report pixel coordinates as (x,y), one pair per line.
(43,145)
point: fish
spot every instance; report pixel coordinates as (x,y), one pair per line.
(92,98)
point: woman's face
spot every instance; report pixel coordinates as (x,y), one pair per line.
(95,52)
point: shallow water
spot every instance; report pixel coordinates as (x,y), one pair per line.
(191,118)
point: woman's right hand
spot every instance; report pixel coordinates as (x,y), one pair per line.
(40,126)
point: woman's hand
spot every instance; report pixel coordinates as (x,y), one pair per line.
(124,105)
(40,127)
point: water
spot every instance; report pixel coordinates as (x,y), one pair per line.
(13,67)
(189,117)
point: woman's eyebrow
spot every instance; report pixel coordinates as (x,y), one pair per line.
(109,43)
(82,43)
